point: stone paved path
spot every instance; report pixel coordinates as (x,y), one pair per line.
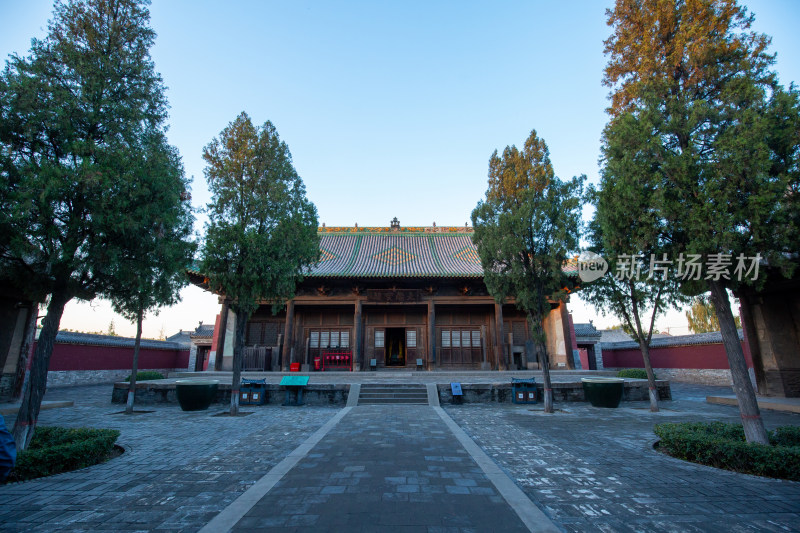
(594,469)
(385,468)
(588,469)
(179,469)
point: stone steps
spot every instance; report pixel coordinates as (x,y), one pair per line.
(393,393)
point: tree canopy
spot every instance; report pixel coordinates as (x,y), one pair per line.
(697,119)
(78,118)
(525,230)
(262,230)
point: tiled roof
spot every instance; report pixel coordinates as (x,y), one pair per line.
(90,339)
(670,340)
(203,331)
(586,331)
(408,252)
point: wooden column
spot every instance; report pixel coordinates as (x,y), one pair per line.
(288,337)
(431,334)
(567,335)
(498,343)
(358,348)
(223,328)
(485,362)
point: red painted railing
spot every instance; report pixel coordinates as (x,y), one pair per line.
(337,361)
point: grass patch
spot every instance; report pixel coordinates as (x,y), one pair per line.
(147,375)
(723,446)
(56,449)
(634,373)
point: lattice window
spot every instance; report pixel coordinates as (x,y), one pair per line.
(379,339)
(445,338)
(411,338)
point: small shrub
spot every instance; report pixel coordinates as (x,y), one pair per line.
(634,373)
(56,449)
(785,436)
(723,446)
(147,375)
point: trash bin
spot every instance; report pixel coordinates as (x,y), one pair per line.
(253,392)
(523,390)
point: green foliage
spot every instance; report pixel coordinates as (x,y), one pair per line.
(56,449)
(632,285)
(785,436)
(151,270)
(84,165)
(526,228)
(75,117)
(147,375)
(634,373)
(700,126)
(707,134)
(262,231)
(723,446)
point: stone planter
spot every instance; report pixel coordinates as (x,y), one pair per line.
(195,394)
(603,392)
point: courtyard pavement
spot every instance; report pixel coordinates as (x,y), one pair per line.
(396,467)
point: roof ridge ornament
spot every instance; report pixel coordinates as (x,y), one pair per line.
(395,224)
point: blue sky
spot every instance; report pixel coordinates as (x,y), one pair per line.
(389,108)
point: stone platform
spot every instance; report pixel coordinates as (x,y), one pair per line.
(333,388)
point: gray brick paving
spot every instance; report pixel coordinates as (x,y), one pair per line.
(179,470)
(595,469)
(385,468)
(588,469)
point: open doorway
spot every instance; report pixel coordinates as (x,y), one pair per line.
(395,347)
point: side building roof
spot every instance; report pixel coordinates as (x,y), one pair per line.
(669,340)
(91,339)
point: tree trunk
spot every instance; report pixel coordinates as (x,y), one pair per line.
(23,375)
(745,395)
(541,354)
(644,346)
(651,377)
(238,355)
(135,366)
(35,387)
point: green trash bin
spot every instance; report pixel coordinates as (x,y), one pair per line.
(253,392)
(523,390)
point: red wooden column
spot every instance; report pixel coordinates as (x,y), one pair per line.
(288,338)
(431,334)
(223,328)
(358,351)
(498,344)
(568,340)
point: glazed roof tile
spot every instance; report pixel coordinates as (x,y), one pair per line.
(397,255)
(408,252)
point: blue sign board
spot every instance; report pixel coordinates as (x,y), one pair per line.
(456,388)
